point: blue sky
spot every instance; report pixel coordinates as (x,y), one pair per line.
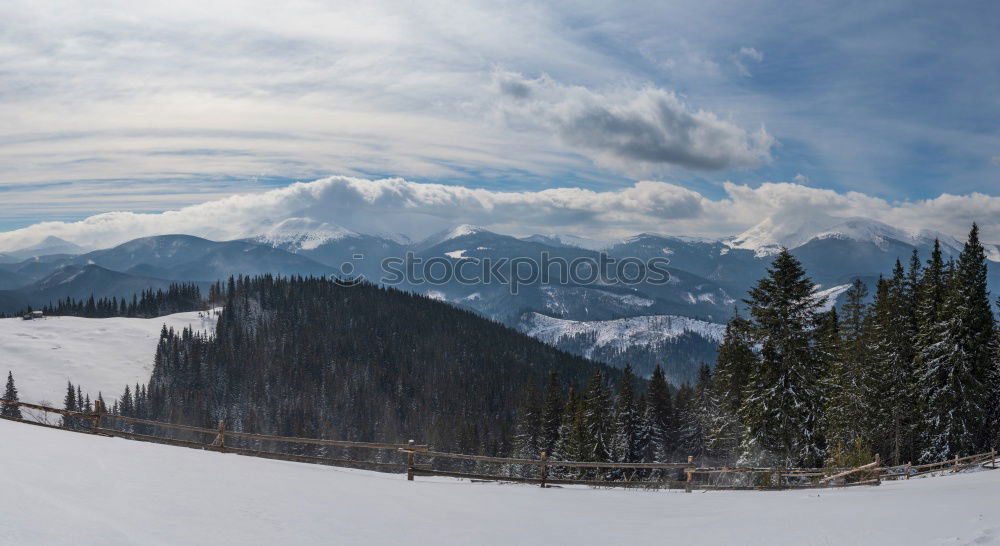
(141,107)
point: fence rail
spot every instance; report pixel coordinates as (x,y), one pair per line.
(631,475)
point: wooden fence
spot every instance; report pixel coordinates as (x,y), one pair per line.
(543,471)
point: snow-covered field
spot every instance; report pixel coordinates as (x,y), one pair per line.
(66,488)
(97,354)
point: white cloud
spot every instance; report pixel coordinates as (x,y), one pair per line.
(397,205)
(751,53)
(746,53)
(646,126)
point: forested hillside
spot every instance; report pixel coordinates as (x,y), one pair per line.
(311,358)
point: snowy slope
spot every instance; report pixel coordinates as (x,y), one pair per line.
(75,489)
(449,234)
(620,333)
(97,354)
(828,297)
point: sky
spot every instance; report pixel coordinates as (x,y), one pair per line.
(593,118)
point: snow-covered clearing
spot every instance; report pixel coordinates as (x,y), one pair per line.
(66,488)
(97,354)
(619,333)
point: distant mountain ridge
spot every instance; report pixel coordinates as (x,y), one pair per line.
(78,282)
(709,277)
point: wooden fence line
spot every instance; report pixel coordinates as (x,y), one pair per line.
(543,463)
(546,461)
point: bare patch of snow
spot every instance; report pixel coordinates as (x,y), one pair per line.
(436,295)
(829,296)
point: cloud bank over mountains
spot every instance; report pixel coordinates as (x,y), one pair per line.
(395,205)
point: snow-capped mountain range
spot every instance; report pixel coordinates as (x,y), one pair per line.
(708,277)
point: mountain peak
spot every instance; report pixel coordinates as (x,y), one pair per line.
(565,240)
(303,234)
(452,233)
(771,234)
(48,245)
(463,230)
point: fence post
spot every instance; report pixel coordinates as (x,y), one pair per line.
(878,471)
(96,417)
(909,467)
(690,474)
(545,469)
(409,461)
(777,479)
(220,440)
(955,468)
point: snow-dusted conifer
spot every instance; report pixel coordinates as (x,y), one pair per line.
(957,365)
(625,444)
(10,393)
(732,372)
(597,416)
(660,414)
(551,418)
(781,415)
(69,404)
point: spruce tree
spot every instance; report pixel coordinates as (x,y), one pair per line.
(660,414)
(879,373)
(528,430)
(644,443)
(627,425)
(126,405)
(891,401)
(699,416)
(568,447)
(597,416)
(782,415)
(735,362)
(552,413)
(69,404)
(682,415)
(957,366)
(10,394)
(975,337)
(930,352)
(840,395)
(851,418)
(994,381)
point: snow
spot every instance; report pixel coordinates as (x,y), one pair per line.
(113,491)
(569,240)
(767,237)
(436,295)
(457,254)
(303,234)
(97,354)
(620,333)
(829,296)
(555,298)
